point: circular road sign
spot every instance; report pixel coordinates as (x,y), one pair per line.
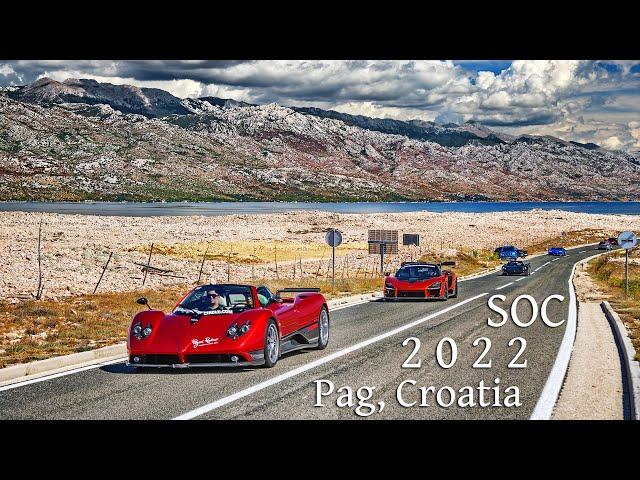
(627,240)
(333,237)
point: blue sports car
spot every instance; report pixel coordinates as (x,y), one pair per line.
(516,267)
(509,252)
(557,251)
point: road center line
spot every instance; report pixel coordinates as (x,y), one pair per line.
(321,361)
(504,286)
(522,278)
(582,251)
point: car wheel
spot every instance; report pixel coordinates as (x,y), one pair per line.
(271,344)
(323,329)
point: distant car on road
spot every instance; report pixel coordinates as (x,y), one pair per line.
(604,245)
(421,280)
(613,241)
(516,267)
(557,251)
(510,252)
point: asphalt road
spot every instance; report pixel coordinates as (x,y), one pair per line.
(288,391)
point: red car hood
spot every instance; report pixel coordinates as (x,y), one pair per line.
(177,334)
(412,285)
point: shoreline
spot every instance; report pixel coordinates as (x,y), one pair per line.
(221,208)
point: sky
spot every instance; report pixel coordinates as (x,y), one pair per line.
(585,100)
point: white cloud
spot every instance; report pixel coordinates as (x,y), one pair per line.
(577,100)
(6,70)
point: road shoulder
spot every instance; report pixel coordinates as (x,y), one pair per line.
(594,378)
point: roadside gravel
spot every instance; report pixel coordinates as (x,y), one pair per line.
(593,387)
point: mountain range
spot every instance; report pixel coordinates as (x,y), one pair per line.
(81,139)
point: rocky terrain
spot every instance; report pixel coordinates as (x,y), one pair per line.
(76,247)
(81,139)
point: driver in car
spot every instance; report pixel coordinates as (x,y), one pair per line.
(213,301)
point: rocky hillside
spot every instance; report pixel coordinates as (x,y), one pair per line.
(81,139)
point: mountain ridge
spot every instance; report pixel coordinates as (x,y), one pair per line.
(67,146)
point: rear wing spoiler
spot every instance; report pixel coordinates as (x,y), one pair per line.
(297,290)
(448,264)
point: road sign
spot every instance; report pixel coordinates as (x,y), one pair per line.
(375,248)
(411,239)
(627,240)
(381,242)
(333,237)
(383,236)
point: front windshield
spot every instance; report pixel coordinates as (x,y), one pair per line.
(217,299)
(418,272)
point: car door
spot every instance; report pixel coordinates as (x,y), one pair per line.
(284,311)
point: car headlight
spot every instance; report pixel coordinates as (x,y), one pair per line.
(232,331)
(245,328)
(147,331)
(137,331)
(389,286)
(435,285)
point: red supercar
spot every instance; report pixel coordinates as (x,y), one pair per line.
(229,325)
(421,280)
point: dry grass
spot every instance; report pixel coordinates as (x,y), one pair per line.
(608,272)
(248,252)
(34,330)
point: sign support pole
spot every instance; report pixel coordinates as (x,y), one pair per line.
(626,272)
(333,262)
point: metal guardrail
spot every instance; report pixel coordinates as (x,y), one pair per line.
(630,364)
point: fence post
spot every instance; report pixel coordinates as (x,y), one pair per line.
(102,274)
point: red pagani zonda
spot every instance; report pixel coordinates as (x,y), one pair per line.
(421,280)
(229,325)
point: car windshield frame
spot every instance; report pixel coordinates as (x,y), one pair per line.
(414,268)
(230,299)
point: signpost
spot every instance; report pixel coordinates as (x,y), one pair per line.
(627,240)
(411,239)
(381,242)
(333,238)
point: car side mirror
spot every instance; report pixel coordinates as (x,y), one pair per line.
(275,299)
(143,301)
(386,274)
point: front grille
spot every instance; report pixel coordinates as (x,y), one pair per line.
(410,294)
(155,359)
(212,358)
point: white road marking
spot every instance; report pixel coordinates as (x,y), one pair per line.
(504,286)
(582,251)
(555,259)
(544,265)
(522,278)
(321,361)
(61,374)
